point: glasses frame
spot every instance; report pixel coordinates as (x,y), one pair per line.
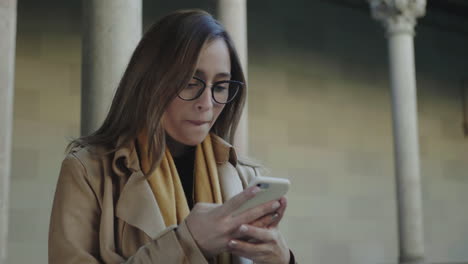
(241,85)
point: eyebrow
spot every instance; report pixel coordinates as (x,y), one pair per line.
(218,75)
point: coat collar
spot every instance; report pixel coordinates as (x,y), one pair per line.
(126,157)
(223,151)
(137,191)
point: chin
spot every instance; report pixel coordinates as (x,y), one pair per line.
(194,139)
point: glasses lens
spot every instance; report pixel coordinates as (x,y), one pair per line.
(224,92)
(192,90)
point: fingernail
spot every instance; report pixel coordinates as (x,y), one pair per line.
(255,190)
(243,228)
(275,205)
(232,243)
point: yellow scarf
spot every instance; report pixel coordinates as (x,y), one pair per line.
(167,187)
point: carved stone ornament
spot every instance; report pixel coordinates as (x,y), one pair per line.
(398,16)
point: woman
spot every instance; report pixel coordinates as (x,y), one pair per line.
(157,182)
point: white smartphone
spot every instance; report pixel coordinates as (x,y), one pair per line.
(270,189)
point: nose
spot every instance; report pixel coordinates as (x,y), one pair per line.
(205,101)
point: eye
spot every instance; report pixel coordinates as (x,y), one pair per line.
(221,87)
(194,84)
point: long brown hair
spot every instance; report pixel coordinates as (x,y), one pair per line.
(162,65)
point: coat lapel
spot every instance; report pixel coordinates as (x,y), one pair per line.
(138,207)
(229,182)
(136,204)
(231,185)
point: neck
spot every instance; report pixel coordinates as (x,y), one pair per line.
(176,148)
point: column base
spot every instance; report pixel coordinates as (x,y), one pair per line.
(413,261)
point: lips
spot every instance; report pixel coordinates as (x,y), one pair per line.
(198,122)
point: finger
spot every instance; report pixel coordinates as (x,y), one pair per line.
(236,201)
(266,220)
(261,234)
(205,207)
(257,212)
(284,203)
(263,222)
(246,249)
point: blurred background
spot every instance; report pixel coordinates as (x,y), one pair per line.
(319,114)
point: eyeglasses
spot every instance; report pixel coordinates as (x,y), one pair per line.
(223,92)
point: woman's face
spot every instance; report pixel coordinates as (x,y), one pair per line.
(189,122)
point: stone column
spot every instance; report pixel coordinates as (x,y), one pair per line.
(399,18)
(111,31)
(233,15)
(7,76)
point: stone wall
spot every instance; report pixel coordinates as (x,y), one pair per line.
(319,102)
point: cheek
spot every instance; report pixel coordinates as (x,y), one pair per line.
(172,115)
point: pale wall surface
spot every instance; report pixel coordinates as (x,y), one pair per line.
(319,115)
(46,113)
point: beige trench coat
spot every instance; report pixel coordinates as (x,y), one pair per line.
(105,212)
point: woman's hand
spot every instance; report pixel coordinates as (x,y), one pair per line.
(273,219)
(267,221)
(213,226)
(269,248)
(264,244)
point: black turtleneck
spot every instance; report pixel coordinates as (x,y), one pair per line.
(185,168)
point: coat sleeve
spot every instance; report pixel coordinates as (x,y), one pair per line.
(75,220)
(174,245)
